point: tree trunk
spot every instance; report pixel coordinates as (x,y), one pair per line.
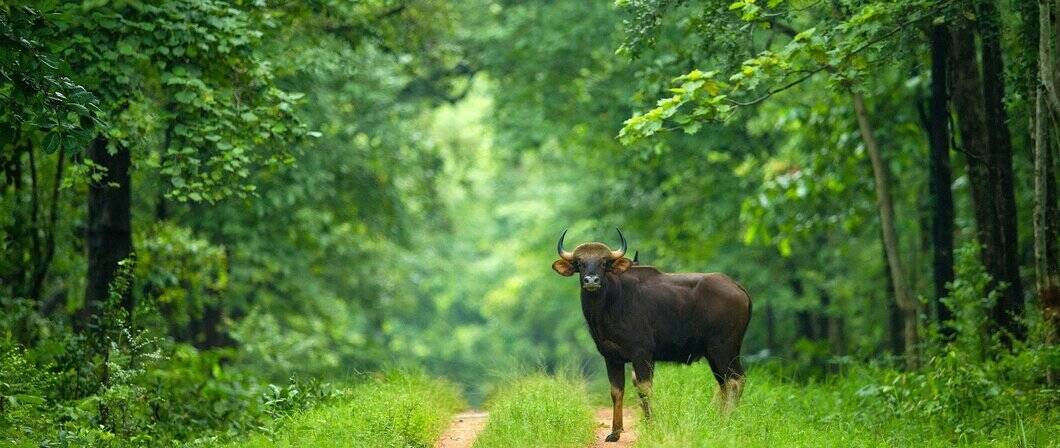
(35,225)
(108,237)
(940,179)
(43,264)
(1046,154)
(985,177)
(210,332)
(832,324)
(881,174)
(804,328)
(824,316)
(771,330)
(1009,307)
(894,315)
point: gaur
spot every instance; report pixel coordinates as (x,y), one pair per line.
(640,315)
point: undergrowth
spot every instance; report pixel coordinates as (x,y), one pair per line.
(391,410)
(539,411)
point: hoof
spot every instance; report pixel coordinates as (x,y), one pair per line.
(613,437)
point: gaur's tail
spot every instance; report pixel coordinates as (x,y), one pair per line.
(750,306)
(750,301)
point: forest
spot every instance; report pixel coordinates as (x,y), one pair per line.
(331,222)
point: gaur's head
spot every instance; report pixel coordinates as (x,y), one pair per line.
(591,261)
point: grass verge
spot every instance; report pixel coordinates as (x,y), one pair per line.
(836,413)
(539,411)
(396,410)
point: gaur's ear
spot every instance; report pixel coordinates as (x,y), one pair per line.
(620,265)
(563,267)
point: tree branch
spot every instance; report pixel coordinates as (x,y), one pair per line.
(391,12)
(831,67)
(776,90)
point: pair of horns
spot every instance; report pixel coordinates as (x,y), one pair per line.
(615,254)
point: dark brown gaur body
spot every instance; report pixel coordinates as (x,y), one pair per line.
(640,315)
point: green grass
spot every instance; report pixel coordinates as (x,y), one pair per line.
(837,413)
(398,410)
(539,411)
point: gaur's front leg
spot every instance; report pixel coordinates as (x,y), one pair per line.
(643,370)
(616,374)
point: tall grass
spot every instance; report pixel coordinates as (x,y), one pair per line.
(398,410)
(539,411)
(841,412)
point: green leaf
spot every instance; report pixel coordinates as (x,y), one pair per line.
(185,96)
(125,48)
(71,145)
(805,35)
(52,142)
(785,247)
(29,399)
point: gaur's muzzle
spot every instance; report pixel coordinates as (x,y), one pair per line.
(591,282)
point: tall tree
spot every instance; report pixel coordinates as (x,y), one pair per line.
(195,67)
(989,158)
(902,293)
(1009,307)
(1046,147)
(108,234)
(44,112)
(939,177)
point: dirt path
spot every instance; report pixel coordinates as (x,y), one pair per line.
(463,430)
(466,426)
(603,428)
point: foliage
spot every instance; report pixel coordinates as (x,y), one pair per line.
(36,90)
(328,187)
(183,274)
(124,385)
(831,46)
(867,406)
(541,411)
(193,72)
(396,409)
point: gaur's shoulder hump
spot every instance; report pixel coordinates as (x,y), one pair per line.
(644,271)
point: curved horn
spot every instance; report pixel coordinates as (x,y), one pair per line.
(559,248)
(616,254)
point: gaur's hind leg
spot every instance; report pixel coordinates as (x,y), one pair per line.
(643,371)
(730,376)
(616,374)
